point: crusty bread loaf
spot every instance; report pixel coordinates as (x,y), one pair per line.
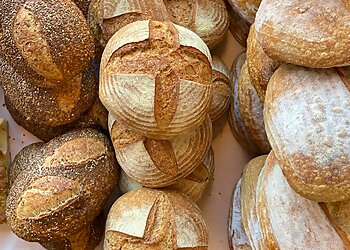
(246,8)
(260,66)
(5,161)
(307,119)
(171,93)
(83,5)
(154,219)
(237,235)
(107,16)
(289,221)
(56,46)
(309,33)
(192,185)
(221,89)
(159,163)
(246,113)
(207,18)
(63,187)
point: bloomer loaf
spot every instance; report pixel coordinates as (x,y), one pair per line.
(193,185)
(60,186)
(307,117)
(156,78)
(159,163)
(309,33)
(207,18)
(56,46)
(155,220)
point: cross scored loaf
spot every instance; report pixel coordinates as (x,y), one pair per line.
(156,78)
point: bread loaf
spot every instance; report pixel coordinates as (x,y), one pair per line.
(107,16)
(289,221)
(246,8)
(62,187)
(4,167)
(83,5)
(171,93)
(57,47)
(153,219)
(207,18)
(307,117)
(309,33)
(221,89)
(159,163)
(246,114)
(260,66)
(192,185)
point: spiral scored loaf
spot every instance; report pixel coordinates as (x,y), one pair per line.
(107,16)
(42,47)
(4,167)
(307,122)
(61,186)
(260,66)
(159,163)
(221,89)
(309,33)
(192,185)
(154,219)
(207,18)
(170,93)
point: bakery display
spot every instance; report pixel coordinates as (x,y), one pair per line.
(60,188)
(153,219)
(5,162)
(171,93)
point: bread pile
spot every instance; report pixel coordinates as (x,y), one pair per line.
(299,197)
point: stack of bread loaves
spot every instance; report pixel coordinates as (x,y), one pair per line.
(299,197)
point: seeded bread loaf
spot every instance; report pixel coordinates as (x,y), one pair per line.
(154,219)
(307,117)
(159,163)
(39,46)
(4,167)
(61,186)
(171,93)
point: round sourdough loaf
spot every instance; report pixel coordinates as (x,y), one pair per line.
(107,16)
(221,89)
(56,46)
(60,186)
(260,66)
(192,185)
(159,163)
(207,18)
(239,27)
(154,219)
(289,221)
(246,114)
(309,33)
(307,117)
(156,78)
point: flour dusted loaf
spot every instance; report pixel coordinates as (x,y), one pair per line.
(45,41)
(107,16)
(307,117)
(309,33)
(207,18)
(221,89)
(59,187)
(154,219)
(246,113)
(171,93)
(192,185)
(5,162)
(159,163)
(260,66)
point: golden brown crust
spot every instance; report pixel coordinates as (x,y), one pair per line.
(308,33)
(308,132)
(246,8)
(5,161)
(41,205)
(83,5)
(260,66)
(154,219)
(65,50)
(207,18)
(168,55)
